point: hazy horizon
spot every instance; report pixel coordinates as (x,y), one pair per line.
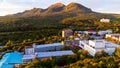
(14,6)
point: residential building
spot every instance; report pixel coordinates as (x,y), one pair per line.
(93,46)
(66,33)
(105,20)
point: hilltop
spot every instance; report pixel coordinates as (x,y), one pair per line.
(55,9)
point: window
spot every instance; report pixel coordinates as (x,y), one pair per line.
(82,45)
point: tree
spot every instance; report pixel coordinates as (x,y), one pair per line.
(9,43)
(117,52)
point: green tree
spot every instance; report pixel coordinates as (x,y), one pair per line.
(117,52)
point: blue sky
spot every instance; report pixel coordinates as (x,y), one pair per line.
(15,6)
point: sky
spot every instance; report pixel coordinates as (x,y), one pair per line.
(15,6)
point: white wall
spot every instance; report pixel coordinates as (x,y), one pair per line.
(97,43)
(29,51)
(110,50)
(106,46)
(92,43)
(107,35)
(91,50)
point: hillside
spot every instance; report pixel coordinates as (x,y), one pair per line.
(55,9)
(37,22)
(52,16)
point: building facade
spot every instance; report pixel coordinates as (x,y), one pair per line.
(47,47)
(42,48)
(103,32)
(93,46)
(113,36)
(57,54)
(27,58)
(29,50)
(43,51)
(66,33)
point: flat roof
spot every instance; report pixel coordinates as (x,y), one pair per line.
(96,41)
(28,56)
(55,53)
(47,45)
(107,44)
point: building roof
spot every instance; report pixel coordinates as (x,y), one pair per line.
(6,66)
(105,43)
(96,41)
(55,53)
(110,45)
(28,46)
(28,56)
(47,45)
(9,59)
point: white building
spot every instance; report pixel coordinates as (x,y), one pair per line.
(103,32)
(42,51)
(54,53)
(47,47)
(93,46)
(90,32)
(86,32)
(113,36)
(100,32)
(105,20)
(40,55)
(43,48)
(27,58)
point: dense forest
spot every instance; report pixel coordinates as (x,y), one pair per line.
(38,27)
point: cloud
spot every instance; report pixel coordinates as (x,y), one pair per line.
(9,7)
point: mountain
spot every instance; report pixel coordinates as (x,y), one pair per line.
(32,12)
(52,17)
(77,7)
(57,8)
